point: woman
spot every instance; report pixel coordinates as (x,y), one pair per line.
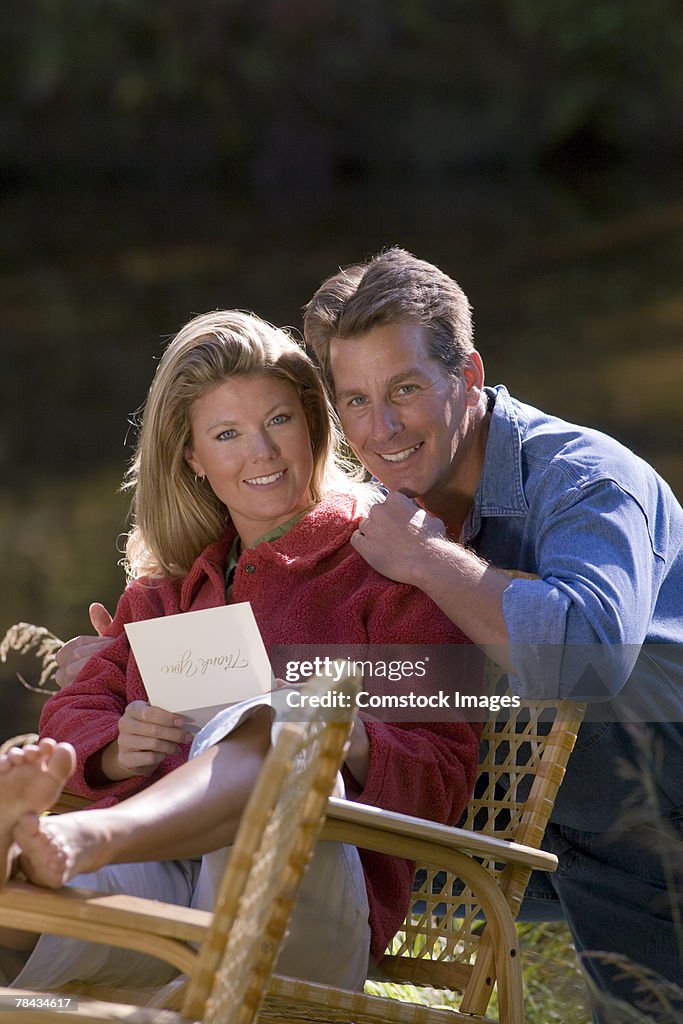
(238,496)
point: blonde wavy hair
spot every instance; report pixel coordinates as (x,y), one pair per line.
(174,515)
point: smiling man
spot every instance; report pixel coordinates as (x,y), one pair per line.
(479,483)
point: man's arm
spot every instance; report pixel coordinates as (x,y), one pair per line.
(574,632)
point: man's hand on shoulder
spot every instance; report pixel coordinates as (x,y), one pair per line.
(406,544)
(398,539)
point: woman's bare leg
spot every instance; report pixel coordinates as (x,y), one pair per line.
(193,810)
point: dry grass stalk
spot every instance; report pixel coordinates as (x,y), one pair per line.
(24,638)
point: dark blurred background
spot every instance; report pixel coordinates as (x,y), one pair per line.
(161,159)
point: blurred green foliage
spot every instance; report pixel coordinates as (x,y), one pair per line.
(554,988)
(287,92)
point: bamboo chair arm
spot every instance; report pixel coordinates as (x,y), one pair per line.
(405,836)
(161,929)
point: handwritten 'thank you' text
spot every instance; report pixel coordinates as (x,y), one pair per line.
(190,665)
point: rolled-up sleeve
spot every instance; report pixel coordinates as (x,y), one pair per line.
(576,631)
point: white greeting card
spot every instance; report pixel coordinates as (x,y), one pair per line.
(197,662)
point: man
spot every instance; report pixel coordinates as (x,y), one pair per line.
(478,483)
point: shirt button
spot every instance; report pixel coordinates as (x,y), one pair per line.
(250,567)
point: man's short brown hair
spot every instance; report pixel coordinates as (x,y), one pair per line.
(391,287)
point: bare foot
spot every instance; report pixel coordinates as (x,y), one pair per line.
(31,779)
(55,848)
(44,858)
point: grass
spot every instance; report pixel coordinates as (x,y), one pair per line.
(24,638)
(554,987)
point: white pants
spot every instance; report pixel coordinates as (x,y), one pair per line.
(329,936)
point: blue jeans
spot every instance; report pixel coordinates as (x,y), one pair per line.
(620,892)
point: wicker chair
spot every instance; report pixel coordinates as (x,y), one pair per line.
(460,934)
(237,945)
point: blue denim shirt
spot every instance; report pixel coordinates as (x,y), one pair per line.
(604,621)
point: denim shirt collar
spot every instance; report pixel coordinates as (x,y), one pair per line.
(501,487)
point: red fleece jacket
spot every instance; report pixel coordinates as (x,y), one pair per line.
(307,587)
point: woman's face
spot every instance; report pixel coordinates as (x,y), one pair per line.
(251,440)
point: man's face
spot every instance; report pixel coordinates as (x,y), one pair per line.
(404,416)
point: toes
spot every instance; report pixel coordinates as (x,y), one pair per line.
(20,755)
(30,753)
(58,759)
(62,763)
(46,746)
